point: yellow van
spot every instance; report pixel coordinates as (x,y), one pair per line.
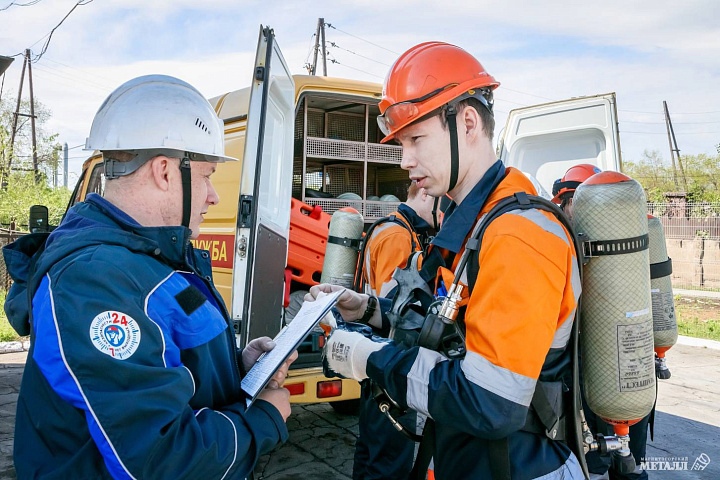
(303,141)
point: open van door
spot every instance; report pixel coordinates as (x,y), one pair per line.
(263,224)
(545,140)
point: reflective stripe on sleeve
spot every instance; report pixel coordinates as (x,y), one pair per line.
(498,380)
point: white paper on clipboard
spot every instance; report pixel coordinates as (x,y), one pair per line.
(286,342)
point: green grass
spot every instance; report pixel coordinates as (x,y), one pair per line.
(695,328)
(7,334)
(698,317)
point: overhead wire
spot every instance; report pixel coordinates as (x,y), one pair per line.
(335,61)
(28,4)
(49,35)
(359,38)
(335,45)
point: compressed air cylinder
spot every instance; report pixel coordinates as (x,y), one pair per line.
(663,303)
(341,253)
(616,329)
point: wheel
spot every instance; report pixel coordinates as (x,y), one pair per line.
(347,407)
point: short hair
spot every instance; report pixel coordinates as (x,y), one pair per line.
(486,116)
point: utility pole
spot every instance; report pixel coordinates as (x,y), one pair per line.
(319,43)
(674,150)
(26,64)
(322,32)
(65,165)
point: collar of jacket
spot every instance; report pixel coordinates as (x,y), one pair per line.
(459,219)
(96,221)
(417,223)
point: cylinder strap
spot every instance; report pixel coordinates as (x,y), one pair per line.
(597,248)
(661,269)
(345,242)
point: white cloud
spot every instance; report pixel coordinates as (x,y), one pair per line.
(647,51)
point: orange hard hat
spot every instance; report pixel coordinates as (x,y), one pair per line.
(565,187)
(427,77)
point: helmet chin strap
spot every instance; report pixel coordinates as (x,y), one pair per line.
(436,203)
(187,189)
(450,115)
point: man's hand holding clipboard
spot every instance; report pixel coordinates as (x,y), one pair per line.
(272,365)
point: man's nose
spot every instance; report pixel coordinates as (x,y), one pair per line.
(212,198)
(407,160)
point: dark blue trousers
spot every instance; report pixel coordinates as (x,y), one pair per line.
(381,452)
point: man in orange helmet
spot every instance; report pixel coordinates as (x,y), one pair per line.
(517,312)
(600,466)
(381,451)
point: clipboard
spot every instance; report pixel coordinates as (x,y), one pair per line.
(286,342)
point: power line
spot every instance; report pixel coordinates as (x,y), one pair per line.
(660,113)
(359,38)
(676,123)
(333,44)
(70,78)
(29,4)
(85,72)
(665,133)
(332,60)
(529,94)
(49,35)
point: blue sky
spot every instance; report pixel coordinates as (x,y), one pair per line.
(646,51)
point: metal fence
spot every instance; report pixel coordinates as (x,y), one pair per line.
(6,236)
(692,234)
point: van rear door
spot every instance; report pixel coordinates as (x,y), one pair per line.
(545,140)
(261,240)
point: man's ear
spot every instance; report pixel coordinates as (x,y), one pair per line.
(160,171)
(470,122)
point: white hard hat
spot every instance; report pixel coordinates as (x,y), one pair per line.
(159,113)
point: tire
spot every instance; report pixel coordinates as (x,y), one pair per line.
(347,407)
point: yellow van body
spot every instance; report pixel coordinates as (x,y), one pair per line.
(336,151)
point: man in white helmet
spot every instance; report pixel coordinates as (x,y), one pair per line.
(133,370)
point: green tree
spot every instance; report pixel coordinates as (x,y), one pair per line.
(20,187)
(652,173)
(19,157)
(22,191)
(703,177)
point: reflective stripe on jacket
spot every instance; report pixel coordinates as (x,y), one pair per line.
(518,323)
(388,248)
(133,370)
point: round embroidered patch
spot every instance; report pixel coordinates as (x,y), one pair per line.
(116,334)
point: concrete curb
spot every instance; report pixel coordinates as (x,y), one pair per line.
(14,347)
(698,342)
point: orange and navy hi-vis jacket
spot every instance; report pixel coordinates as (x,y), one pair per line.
(518,321)
(389,246)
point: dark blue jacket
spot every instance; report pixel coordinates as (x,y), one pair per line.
(132,370)
(517,321)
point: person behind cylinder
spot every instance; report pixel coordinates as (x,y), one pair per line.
(381,451)
(600,467)
(133,370)
(517,317)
